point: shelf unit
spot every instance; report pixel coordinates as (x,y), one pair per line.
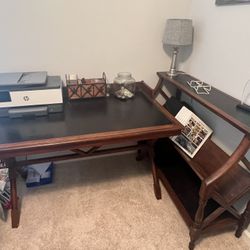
(182,177)
(205,188)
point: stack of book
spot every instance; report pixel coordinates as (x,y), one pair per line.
(5,200)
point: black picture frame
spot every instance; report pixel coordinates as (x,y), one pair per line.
(230,2)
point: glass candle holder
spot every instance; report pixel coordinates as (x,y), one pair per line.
(124,86)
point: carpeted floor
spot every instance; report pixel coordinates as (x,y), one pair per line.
(103,203)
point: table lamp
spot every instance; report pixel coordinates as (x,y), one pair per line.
(178,33)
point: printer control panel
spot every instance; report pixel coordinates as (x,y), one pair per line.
(5,96)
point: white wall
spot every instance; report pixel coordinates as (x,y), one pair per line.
(221,57)
(221,53)
(86,36)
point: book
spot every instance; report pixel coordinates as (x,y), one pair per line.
(193,135)
(4,176)
(2,212)
(5,198)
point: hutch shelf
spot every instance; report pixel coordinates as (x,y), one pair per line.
(206,187)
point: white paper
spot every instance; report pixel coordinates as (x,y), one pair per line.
(4,174)
(33,176)
(2,185)
(41,168)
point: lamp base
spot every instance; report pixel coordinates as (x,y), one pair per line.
(172,73)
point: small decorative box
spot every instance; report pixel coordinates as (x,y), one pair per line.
(85,88)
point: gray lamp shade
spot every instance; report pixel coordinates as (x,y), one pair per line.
(178,32)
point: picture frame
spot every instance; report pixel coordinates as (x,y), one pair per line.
(231,2)
(193,135)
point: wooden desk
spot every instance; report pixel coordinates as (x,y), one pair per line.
(90,123)
(212,181)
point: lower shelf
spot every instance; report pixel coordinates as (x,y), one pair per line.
(183,186)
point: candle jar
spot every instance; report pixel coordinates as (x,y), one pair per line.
(124,86)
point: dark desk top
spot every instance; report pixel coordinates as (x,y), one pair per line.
(83,117)
(217,101)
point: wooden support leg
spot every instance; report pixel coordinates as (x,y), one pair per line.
(157,188)
(15,213)
(196,228)
(244,221)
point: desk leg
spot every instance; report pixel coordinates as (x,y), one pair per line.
(15,213)
(157,188)
(244,221)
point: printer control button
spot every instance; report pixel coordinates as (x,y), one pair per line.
(26,98)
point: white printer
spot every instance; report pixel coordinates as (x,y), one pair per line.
(30,94)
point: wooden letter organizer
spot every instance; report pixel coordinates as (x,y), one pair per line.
(86,88)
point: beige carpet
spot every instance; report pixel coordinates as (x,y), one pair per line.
(104,203)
